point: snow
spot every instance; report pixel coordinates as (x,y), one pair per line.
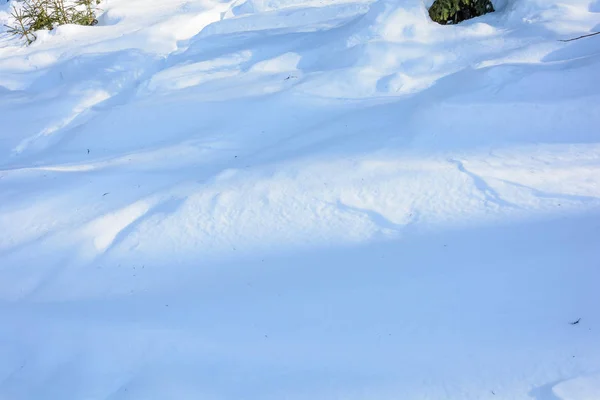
(302,199)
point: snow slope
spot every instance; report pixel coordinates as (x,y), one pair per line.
(302,199)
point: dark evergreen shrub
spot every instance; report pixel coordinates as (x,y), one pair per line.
(454,11)
(33,15)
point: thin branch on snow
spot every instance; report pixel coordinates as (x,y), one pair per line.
(580,37)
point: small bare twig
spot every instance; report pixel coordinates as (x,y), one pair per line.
(580,37)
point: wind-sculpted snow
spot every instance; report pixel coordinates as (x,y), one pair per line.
(302,199)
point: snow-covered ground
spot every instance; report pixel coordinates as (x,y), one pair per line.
(302,199)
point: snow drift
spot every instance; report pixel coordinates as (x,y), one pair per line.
(301,199)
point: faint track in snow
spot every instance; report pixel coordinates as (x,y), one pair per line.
(167,206)
(378,219)
(547,195)
(375,217)
(488,192)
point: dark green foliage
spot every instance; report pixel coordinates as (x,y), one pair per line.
(35,15)
(454,11)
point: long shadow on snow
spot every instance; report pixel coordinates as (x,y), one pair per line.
(410,315)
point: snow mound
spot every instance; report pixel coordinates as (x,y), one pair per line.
(582,388)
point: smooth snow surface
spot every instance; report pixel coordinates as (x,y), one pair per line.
(302,199)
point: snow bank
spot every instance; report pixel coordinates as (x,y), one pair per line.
(581,388)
